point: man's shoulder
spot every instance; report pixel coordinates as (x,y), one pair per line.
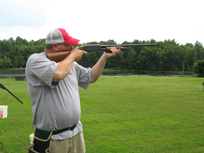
(36,56)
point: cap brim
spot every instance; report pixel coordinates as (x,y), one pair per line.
(71,41)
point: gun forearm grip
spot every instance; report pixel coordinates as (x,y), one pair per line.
(118,47)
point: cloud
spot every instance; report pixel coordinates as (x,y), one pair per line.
(14,14)
(101,20)
(24,32)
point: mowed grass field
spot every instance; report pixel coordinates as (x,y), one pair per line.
(121,114)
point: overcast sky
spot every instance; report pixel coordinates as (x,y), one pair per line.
(100,20)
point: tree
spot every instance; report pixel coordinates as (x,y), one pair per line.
(92,59)
(160,54)
(131,60)
(1,63)
(183,57)
(147,58)
(199,51)
(5,62)
(198,68)
(19,61)
(16,62)
(190,56)
(168,55)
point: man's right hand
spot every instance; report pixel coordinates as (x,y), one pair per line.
(77,53)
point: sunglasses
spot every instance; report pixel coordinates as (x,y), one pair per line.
(65,45)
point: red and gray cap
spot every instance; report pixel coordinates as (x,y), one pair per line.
(60,35)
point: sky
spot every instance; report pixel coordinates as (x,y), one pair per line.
(101,20)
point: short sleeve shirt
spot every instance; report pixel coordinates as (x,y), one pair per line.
(55,105)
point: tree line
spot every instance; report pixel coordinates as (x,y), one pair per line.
(168,55)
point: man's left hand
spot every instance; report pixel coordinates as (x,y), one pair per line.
(114,51)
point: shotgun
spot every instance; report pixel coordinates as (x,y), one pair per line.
(59,56)
(3,87)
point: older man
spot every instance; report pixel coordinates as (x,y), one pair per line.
(53,90)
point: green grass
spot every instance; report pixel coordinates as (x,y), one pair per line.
(121,114)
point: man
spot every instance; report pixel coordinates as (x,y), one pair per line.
(53,90)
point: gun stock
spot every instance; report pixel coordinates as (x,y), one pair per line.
(59,56)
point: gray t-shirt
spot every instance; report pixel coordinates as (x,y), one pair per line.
(55,106)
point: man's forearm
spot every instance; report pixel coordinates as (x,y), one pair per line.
(63,69)
(98,68)
(65,65)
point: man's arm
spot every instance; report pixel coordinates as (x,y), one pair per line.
(65,66)
(99,66)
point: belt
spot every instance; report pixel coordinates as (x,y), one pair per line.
(65,129)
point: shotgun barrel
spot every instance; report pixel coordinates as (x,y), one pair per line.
(106,48)
(3,87)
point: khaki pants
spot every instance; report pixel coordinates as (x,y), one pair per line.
(75,144)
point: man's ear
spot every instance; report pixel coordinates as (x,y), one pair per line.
(55,46)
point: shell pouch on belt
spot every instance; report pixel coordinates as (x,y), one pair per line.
(41,143)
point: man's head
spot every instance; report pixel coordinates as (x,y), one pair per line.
(61,37)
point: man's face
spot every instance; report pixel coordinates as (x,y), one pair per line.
(64,47)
